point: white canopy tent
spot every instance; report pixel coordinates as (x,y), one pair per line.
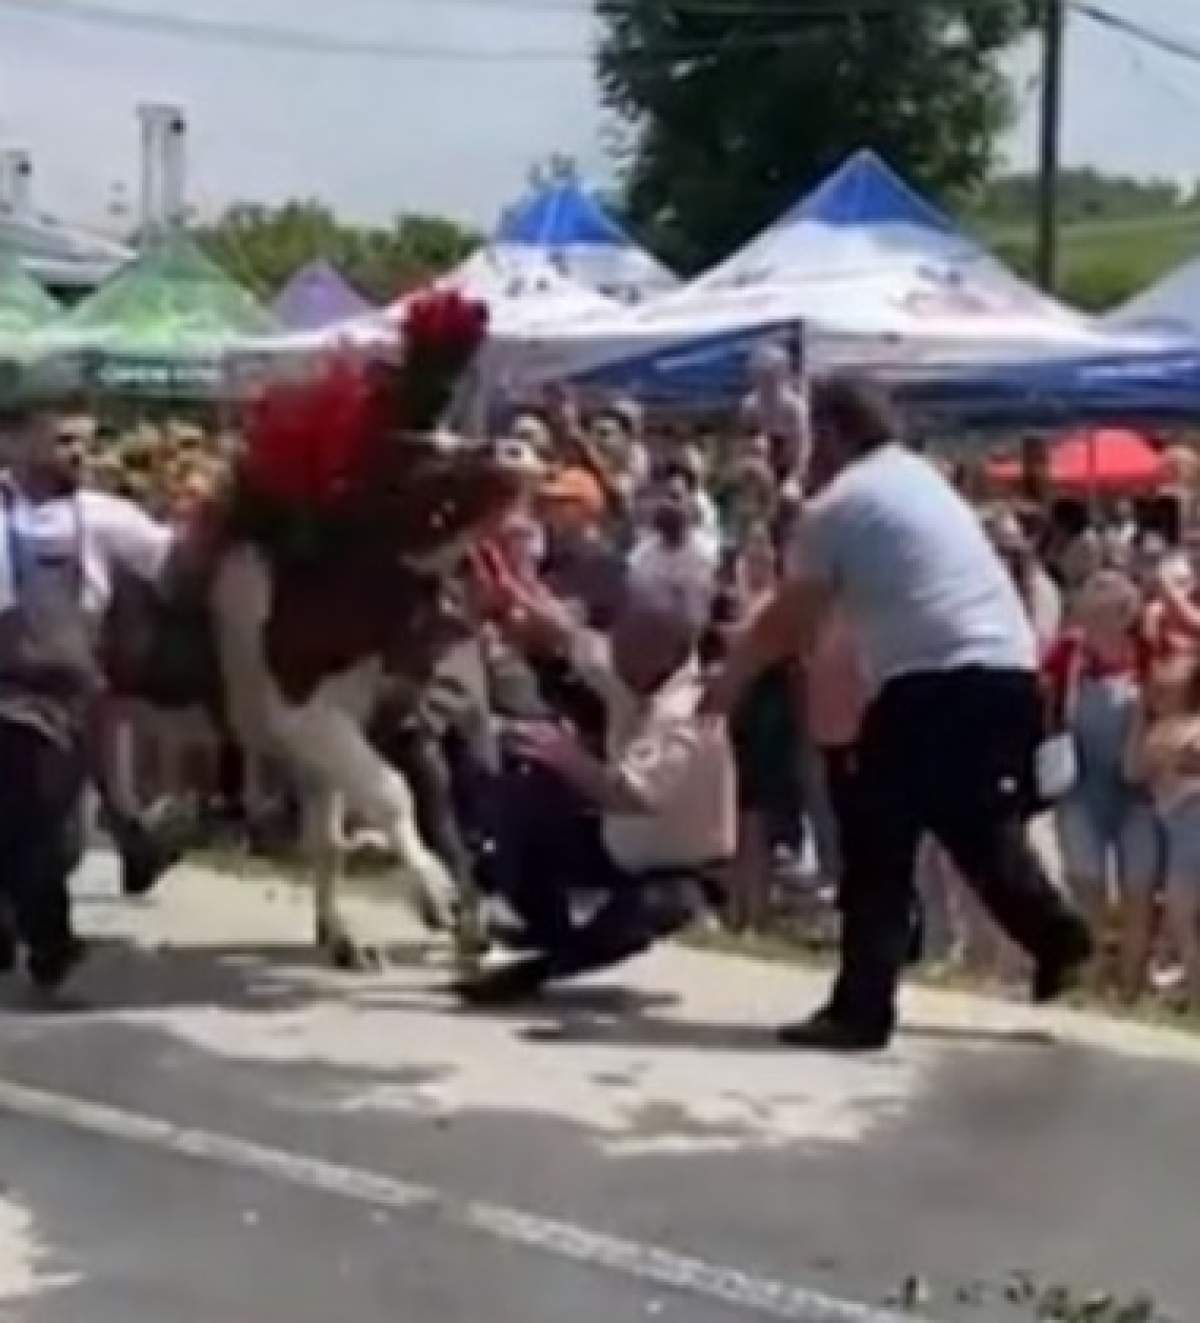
(877,278)
(526,295)
(875,274)
(60,256)
(1171,307)
(564,225)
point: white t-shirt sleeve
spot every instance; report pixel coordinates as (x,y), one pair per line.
(127,537)
(816,549)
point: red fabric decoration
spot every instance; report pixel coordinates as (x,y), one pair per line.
(443,331)
(309,445)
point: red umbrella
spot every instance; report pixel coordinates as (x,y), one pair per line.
(1102,459)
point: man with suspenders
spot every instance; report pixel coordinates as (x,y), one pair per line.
(60,548)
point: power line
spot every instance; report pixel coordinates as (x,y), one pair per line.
(1166,42)
(313,42)
(306,41)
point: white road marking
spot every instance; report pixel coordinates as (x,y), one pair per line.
(563,1240)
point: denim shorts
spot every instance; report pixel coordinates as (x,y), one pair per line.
(1181,838)
(1098,827)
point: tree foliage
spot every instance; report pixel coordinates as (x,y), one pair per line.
(1086,194)
(733,107)
(263,246)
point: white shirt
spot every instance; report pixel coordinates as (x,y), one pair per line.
(1045,608)
(708,526)
(680,766)
(110,533)
(688,573)
(912,564)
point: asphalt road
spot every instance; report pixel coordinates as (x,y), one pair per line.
(221,1130)
(139,1236)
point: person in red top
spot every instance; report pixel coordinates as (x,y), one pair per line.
(1106,825)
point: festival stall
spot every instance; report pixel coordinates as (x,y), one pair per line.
(317,296)
(877,278)
(61,257)
(526,297)
(167,326)
(27,312)
(564,225)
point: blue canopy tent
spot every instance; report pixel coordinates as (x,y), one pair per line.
(880,279)
(565,224)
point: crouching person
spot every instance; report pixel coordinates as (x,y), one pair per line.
(59,549)
(643,826)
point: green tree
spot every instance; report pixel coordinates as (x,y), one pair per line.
(1085,194)
(732,107)
(263,246)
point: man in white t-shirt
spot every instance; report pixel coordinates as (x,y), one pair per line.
(948,743)
(675,559)
(60,548)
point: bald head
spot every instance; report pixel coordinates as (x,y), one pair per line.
(654,637)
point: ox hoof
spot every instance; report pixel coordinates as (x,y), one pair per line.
(350,957)
(345,954)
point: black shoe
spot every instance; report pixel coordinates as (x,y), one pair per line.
(149,852)
(827,1032)
(1057,974)
(8,939)
(507,985)
(49,966)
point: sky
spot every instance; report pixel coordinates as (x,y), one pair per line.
(453,136)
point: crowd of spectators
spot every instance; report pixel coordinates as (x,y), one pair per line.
(708,525)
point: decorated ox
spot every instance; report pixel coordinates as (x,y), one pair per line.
(326,571)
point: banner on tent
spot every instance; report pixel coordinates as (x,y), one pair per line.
(159,377)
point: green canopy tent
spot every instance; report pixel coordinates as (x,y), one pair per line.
(27,312)
(167,325)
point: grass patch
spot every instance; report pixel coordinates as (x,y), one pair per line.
(1103,263)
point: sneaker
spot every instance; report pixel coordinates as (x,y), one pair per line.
(828,1032)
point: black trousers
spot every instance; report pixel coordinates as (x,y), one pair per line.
(41,785)
(841,785)
(546,844)
(950,754)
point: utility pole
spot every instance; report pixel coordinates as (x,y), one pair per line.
(1054,31)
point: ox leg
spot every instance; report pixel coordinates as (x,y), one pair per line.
(322,741)
(332,746)
(323,818)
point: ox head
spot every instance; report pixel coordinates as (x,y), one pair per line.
(434,496)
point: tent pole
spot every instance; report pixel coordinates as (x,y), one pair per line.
(1054,33)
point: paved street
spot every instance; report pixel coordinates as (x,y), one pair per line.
(223,1130)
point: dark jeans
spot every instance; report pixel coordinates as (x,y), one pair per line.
(41,784)
(544,844)
(766,739)
(950,754)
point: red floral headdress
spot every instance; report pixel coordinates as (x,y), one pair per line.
(311,446)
